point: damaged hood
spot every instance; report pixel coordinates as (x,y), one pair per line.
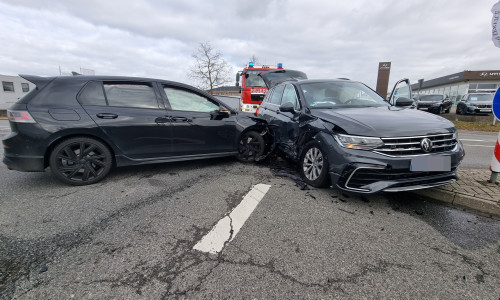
(385,121)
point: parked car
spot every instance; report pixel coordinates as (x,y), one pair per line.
(82,126)
(475,103)
(436,103)
(342,133)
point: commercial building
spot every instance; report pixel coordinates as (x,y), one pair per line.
(13,88)
(227,91)
(458,84)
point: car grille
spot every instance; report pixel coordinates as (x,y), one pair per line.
(483,106)
(257,97)
(402,146)
(424,105)
(362,177)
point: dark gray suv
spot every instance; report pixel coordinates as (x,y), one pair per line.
(476,103)
(344,134)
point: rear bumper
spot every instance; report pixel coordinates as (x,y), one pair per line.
(24,163)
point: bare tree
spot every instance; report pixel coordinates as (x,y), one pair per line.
(254,59)
(210,70)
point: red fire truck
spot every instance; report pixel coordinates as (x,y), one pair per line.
(253,88)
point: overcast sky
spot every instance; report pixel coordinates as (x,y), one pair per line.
(325,39)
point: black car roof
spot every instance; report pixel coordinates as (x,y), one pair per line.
(39,79)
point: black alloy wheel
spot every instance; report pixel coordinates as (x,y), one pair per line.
(250,147)
(80,161)
(314,165)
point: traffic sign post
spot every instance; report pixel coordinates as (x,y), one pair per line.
(495,160)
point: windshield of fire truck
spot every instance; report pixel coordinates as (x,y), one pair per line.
(253,80)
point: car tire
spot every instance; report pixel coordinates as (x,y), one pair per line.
(314,165)
(250,146)
(458,112)
(80,161)
(448,110)
(440,110)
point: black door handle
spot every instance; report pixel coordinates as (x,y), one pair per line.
(107,116)
(179,119)
(162,119)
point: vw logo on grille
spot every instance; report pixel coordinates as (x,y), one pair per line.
(426,145)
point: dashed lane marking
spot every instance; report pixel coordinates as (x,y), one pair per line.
(226,229)
(479,146)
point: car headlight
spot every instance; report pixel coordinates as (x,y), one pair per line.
(358,142)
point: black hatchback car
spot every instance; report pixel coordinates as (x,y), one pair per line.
(81,126)
(435,103)
(344,134)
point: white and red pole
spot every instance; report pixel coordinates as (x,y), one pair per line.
(495,161)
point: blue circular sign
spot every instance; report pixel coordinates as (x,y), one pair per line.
(496,104)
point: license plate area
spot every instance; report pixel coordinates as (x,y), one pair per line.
(431,163)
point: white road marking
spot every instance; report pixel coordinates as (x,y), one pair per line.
(479,146)
(469,140)
(227,228)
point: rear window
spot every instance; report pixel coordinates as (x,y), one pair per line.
(27,98)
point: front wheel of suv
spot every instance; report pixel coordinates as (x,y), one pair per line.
(80,161)
(314,165)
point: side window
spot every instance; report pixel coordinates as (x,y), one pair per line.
(189,101)
(276,96)
(289,95)
(92,94)
(140,95)
(267,98)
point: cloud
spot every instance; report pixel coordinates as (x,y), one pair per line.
(331,39)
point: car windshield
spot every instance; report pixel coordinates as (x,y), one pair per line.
(481,97)
(253,80)
(337,94)
(431,98)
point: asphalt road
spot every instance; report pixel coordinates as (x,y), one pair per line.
(132,237)
(479,148)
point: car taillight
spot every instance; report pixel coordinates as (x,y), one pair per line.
(257,111)
(20,116)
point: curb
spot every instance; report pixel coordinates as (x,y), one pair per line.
(461,200)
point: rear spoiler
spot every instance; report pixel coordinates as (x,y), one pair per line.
(40,82)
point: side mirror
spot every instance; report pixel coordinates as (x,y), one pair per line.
(222,113)
(287,107)
(237,79)
(402,101)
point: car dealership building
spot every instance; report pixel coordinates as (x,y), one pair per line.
(458,84)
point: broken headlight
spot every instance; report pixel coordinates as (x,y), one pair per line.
(358,142)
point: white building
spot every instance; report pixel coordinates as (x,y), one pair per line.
(458,84)
(13,88)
